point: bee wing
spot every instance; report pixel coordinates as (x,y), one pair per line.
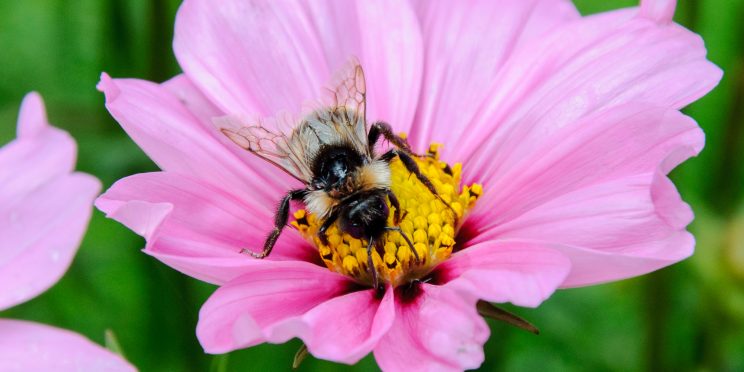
(274,147)
(341,118)
(347,97)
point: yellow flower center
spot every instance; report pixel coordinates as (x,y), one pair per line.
(429,224)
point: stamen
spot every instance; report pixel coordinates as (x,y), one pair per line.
(426,223)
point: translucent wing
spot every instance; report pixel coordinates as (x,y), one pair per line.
(340,119)
(346,104)
(274,147)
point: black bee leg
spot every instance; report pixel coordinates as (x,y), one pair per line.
(371,266)
(395,204)
(412,167)
(325,226)
(408,241)
(280,220)
(384,129)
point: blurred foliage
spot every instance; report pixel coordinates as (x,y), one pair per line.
(686,317)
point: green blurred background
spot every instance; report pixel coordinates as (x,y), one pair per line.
(686,317)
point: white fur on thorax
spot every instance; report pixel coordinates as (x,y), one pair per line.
(319,203)
(375,175)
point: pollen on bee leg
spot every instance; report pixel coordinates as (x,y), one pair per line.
(425,220)
(301,222)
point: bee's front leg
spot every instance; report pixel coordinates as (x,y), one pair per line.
(280,220)
(384,129)
(381,128)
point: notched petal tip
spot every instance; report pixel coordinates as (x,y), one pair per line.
(108,87)
(668,203)
(691,141)
(659,11)
(142,217)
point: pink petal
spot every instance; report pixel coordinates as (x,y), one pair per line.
(196,227)
(594,266)
(343,329)
(178,141)
(29,163)
(391,52)
(660,11)
(262,57)
(613,230)
(524,274)
(246,54)
(193,99)
(386,38)
(195,102)
(43,231)
(44,208)
(620,142)
(40,154)
(437,330)
(27,346)
(599,185)
(295,299)
(32,119)
(466,44)
(579,69)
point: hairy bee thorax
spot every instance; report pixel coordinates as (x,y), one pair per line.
(429,224)
(372,176)
(375,175)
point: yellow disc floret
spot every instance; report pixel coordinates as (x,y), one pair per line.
(427,222)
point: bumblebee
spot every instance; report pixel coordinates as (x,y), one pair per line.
(332,152)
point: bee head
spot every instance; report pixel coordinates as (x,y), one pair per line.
(365,217)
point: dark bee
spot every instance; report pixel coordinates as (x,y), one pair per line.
(333,153)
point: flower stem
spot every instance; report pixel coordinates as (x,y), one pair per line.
(219,363)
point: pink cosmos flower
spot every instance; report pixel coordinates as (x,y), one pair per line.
(45,208)
(570,123)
